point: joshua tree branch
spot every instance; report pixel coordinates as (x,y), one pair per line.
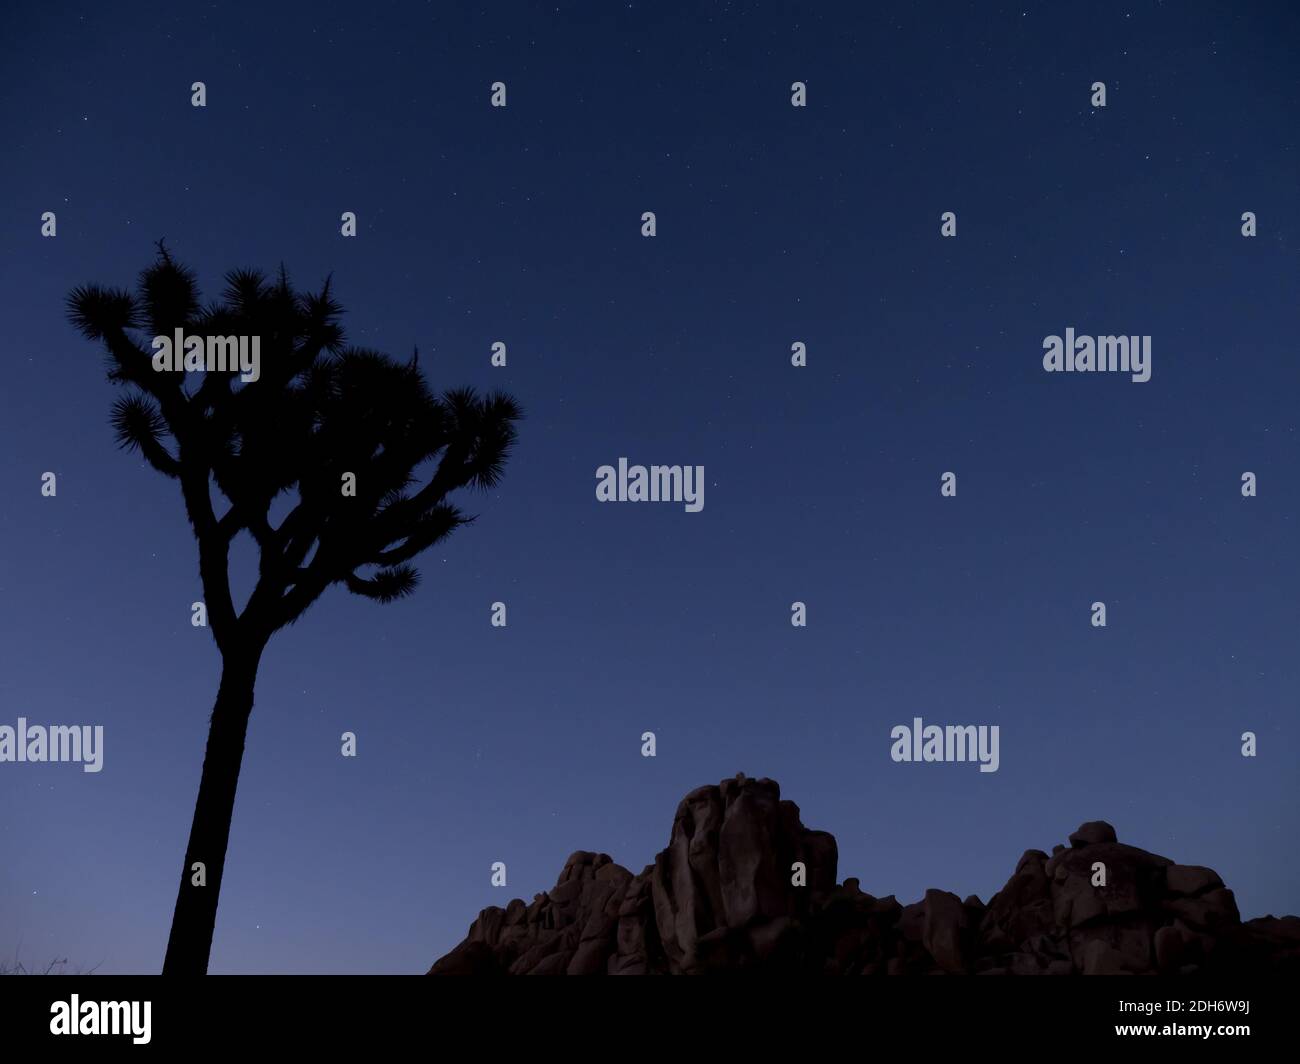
(433,527)
(290,606)
(135,367)
(230,523)
(157,456)
(214,547)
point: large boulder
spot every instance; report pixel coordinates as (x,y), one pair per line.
(743,886)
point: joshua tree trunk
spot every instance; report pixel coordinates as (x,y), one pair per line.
(195,916)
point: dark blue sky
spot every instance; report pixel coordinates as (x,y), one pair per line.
(775,224)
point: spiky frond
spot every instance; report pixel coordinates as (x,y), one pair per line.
(429,528)
(244,289)
(496,438)
(387,585)
(139,426)
(169,294)
(97,311)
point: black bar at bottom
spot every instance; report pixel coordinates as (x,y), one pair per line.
(397,1012)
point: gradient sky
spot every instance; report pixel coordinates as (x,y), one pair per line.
(776,224)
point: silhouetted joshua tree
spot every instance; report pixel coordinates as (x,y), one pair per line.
(317,413)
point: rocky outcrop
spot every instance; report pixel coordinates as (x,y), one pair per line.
(744,886)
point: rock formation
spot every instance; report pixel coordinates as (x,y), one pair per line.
(721,897)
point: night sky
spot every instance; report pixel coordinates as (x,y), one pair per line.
(776,224)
